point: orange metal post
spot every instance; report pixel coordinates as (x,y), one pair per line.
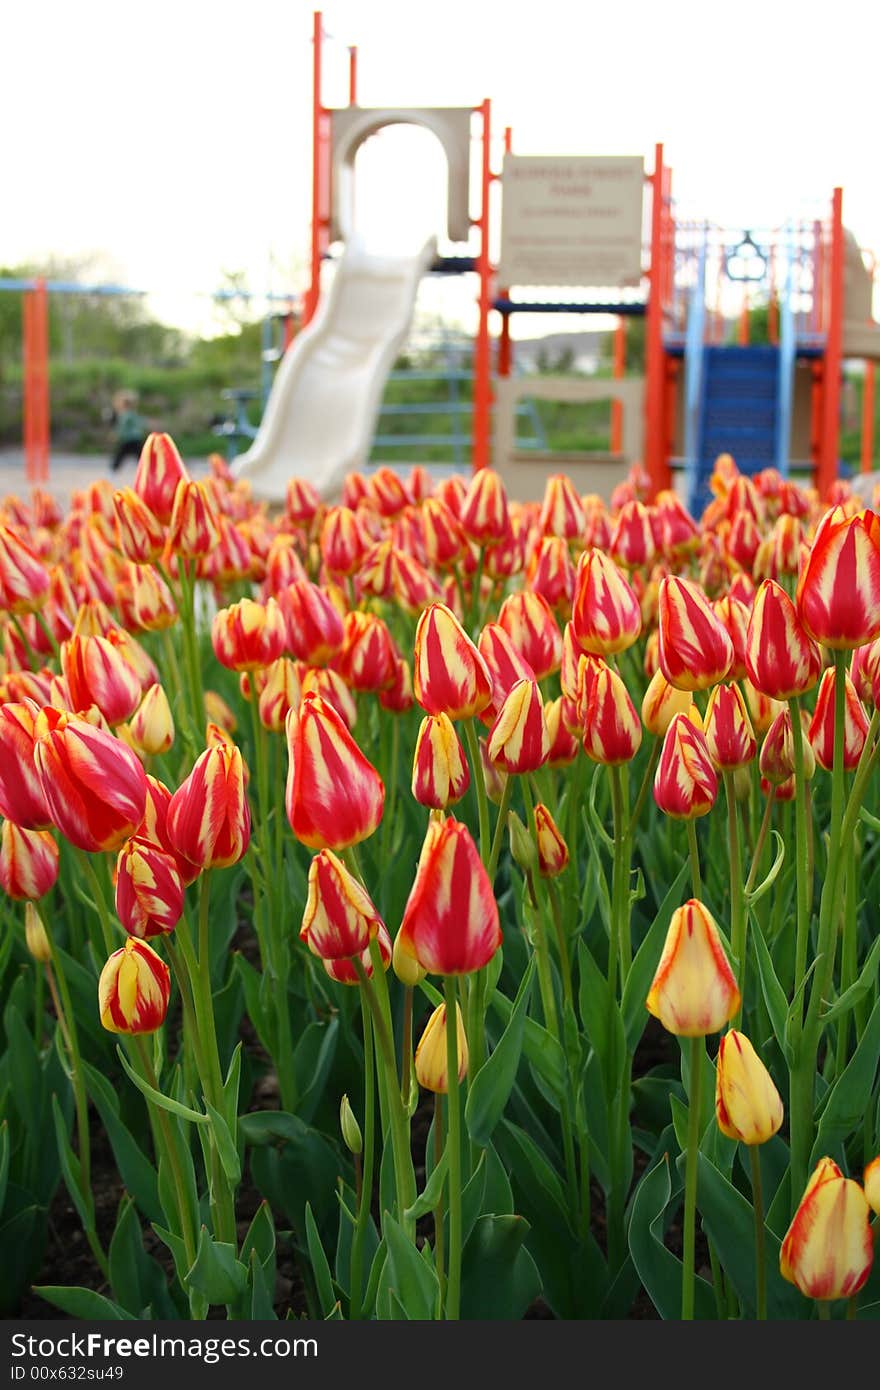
(828,454)
(27,348)
(41,316)
(743,334)
(618,371)
(656,462)
(313,292)
(868,418)
(505,347)
(352,75)
(482,366)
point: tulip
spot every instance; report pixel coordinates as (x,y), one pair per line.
(343,541)
(98,674)
(440,773)
(747,1104)
(329,685)
(606,616)
(35,936)
(281,692)
(450,922)
(685,783)
(431,1057)
(160,468)
(302,502)
(781,659)
(518,740)
(314,626)
(612,731)
(828,1249)
(351,1130)
(838,591)
(661,703)
(528,620)
(693,992)
(141,535)
(821,730)
(562,512)
(342,969)
(552,574)
(248,636)
(449,674)
(94,786)
(632,541)
(695,648)
(743,539)
(730,738)
(674,527)
(367,661)
(444,541)
(734,614)
(505,663)
(871,1184)
(149,889)
(133,990)
(209,820)
(334,797)
(219,712)
(563,745)
(398,698)
(22,799)
(152,725)
(28,861)
(484,516)
(192,531)
(552,849)
(339,918)
(151,601)
(24,579)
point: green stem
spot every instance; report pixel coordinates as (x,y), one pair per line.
(561,942)
(439,1235)
(366,1196)
(479,782)
(802,862)
(694,853)
(620,907)
(406,1049)
(759,843)
(453,1146)
(49,634)
(500,829)
(647,779)
(690,1181)
(170,1146)
(737,897)
(760,1259)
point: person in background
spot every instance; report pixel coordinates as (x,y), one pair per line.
(131,429)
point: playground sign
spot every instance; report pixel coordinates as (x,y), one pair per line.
(571,221)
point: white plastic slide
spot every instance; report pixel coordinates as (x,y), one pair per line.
(321,414)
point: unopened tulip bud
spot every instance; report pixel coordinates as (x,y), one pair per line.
(523,849)
(248,636)
(552,849)
(562,512)
(632,541)
(405,965)
(440,775)
(431,1056)
(728,730)
(160,469)
(28,861)
(855,724)
(209,820)
(782,660)
(95,787)
(35,936)
(329,686)
(838,592)
(685,783)
(563,744)
(871,1184)
(528,620)
(134,989)
(97,673)
(828,1249)
(334,796)
(450,922)
(339,918)
(693,992)
(149,889)
(141,534)
(661,703)
(193,530)
(314,625)
(351,1130)
(606,615)
(747,1104)
(219,712)
(484,516)
(152,725)
(518,741)
(280,694)
(449,674)
(612,731)
(695,647)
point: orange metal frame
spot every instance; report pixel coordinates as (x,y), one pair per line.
(829,442)
(35,352)
(659,276)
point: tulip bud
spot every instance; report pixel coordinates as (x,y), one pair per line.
(781,659)
(440,773)
(563,744)
(141,534)
(98,674)
(871,1184)
(552,849)
(343,541)
(449,674)
(552,574)
(661,703)
(431,1057)
(506,666)
(606,616)
(302,502)
(28,861)
(35,936)
(24,579)
(828,1249)
(450,922)
(747,1104)
(219,712)
(685,783)
(734,615)
(248,636)
(339,918)
(406,967)
(149,889)
(632,541)
(523,849)
(612,731)
(351,1130)
(95,787)
(152,604)
(330,687)
(368,659)
(343,971)
(528,620)
(693,992)
(134,989)
(334,797)
(495,779)
(160,468)
(193,529)
(838,592)
(22,799)
(281,692)
(444,541)
(562,512)
(730,738)
(152,725)
(855,724)
(484,516)
(695,647)
(518,741)
(209,820)
(314,626)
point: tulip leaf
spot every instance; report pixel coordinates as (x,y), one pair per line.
(136,1171)
(313,1058)
(83,1303)
(659,1270)
(767,883)
(226,1146)
(157,1097)
(70,1167)
(541,1048)
(491,1087)
(774,995)
(429,1198)
(730,1225)
(858,989)
(262,1289)
(499,1279)
(851,1094)
(4,1160)
(407,1275)
(647,958)
(137,1280)
(320,1267)
(216,1272)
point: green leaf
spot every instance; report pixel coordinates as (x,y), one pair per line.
(137,1173)
(225,1143)
(157,1097)
(767,883)
(774,995)
(730,1225)
(540,1047)
(850,997)
(259,1007)
(659,1270)
(851,1093)
(137,1280)
(262,1290)
(231,1088)
(260,1239)
(430,1197)
(499,1279)
(27,1093)
(647,958)
(4,1160)
(320,1267)
(83,1303)
(312,1064)
(407,1275)
(72,1170)
(491,1087)
(216,1272)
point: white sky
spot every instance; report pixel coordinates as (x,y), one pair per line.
(174,138)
